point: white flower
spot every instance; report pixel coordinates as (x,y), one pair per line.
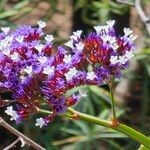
(91,75)
(133,37)
(9,111)
(6,51)
(40,122)
(19,39)
(122,60)
(42,59)
(127,31)
(76,35)
(71,73)
(99,29)
(49,38)
(48,70)
(110,23)
(41,24)
(114,60)
(69,44)
(14,116)
(22,78)
(67,58)
(80,46)
(6,42)
(5,29)
(14,56)
(129,55)
(39,47)
(114,46)
(28,70)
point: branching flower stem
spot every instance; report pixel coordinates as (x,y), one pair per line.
(130,132)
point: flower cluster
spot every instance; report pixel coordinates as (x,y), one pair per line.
(33,72)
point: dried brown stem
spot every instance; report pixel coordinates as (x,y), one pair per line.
(142,15)
(12,144)
(20,135)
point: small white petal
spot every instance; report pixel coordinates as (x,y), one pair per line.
(49,38)
(14,56)
(71,73)
(127,31)
(76,35)
(19,39)
(42,59)
(133,37)
(91,75)
(28,70)
(40,122)
(80,46)
(99,29)
(5,29)
(67,58)
(69,44)
(41,24)
(110,23)
(114,60)
(9,110)
(48,70)
(129,55)
(39,47)
(122,60)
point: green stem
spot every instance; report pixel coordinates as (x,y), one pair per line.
(111,87)
(130,132)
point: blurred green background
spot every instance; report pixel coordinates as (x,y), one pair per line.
(132,91)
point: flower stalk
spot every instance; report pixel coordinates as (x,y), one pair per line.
(130,132)
(111,87)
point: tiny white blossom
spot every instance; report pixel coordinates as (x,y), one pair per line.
(40,122)
(39,47)
(76,35)
(49,38)
(122,60)
(99,29)
(110,23)
(67,58)
(19,39)
(69,44)
(129,55)
(114,46)
(22,78)
(42,59)
(127,31)
(71,73)
(5,29)
(91,75)
(48,70)
(133,37)
(14,56)
(9,110)
(114,60)
(14,116)
(28,70)
(6,51)
(80,46)
(41,24)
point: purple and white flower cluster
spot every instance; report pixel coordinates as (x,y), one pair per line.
(32,71)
